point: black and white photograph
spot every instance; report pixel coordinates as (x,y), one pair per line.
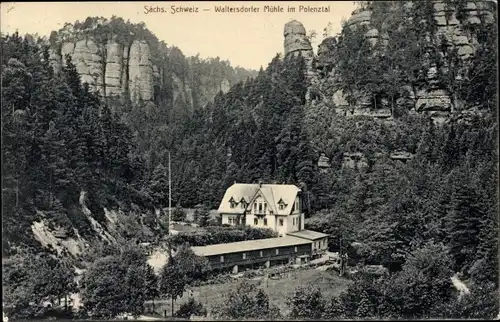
(250,160)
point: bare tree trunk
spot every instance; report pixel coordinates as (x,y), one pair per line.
(17,193)
(392,104)
(50,190)
(172,306)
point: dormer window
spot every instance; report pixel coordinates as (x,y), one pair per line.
(281,204)
(232,203)
(243,204)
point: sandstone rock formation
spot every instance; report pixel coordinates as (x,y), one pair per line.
(323,162)
(453,21)
(140,71)
(297,43)
(117,58)
(113,76)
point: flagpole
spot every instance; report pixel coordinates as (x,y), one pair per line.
(169,195)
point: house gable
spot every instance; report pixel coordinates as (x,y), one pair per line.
(258,195)
(279,198)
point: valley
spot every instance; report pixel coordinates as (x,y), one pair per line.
(388,131)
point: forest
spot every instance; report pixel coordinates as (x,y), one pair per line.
(426,219)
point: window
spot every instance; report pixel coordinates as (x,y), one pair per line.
(261,254)
(277,251)
(281,221)
(255,206)
(295,248)
(297,205)
(265,221)
(230,220)
(265,207)
(255,221)
(243,205)
(232,204)
(281,204)
(222,259)
(244,255)
(260,206)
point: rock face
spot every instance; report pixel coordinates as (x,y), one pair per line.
(140,71)
(113,76)
(297,43)
(117,58)
(323,162)
(453,21)
(112,68)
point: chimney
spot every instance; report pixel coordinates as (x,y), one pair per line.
(260,184)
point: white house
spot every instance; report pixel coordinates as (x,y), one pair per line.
(274,206)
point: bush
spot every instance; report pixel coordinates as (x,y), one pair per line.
(191,307)
(178,214)
(306,303)
(217,235)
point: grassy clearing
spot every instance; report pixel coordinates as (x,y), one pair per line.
(329,283)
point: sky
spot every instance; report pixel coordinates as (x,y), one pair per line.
(249,40)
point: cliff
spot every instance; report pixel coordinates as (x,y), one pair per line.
(117,58)
(407,56)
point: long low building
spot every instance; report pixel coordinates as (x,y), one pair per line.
(256,253)
(319,240)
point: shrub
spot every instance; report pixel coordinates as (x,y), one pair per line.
(217,235)
(191,307)
(178,214)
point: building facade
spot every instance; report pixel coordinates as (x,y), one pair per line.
(253,254)
(319,241)
(278,207)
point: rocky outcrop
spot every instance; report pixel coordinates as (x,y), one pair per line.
(354,160)
(296,40)
(127,59)
(140,71)
(446,17)
(297,43)
(454,23)
(87,58)
(113,77)
(124,67)
(357,160)
(323,162)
